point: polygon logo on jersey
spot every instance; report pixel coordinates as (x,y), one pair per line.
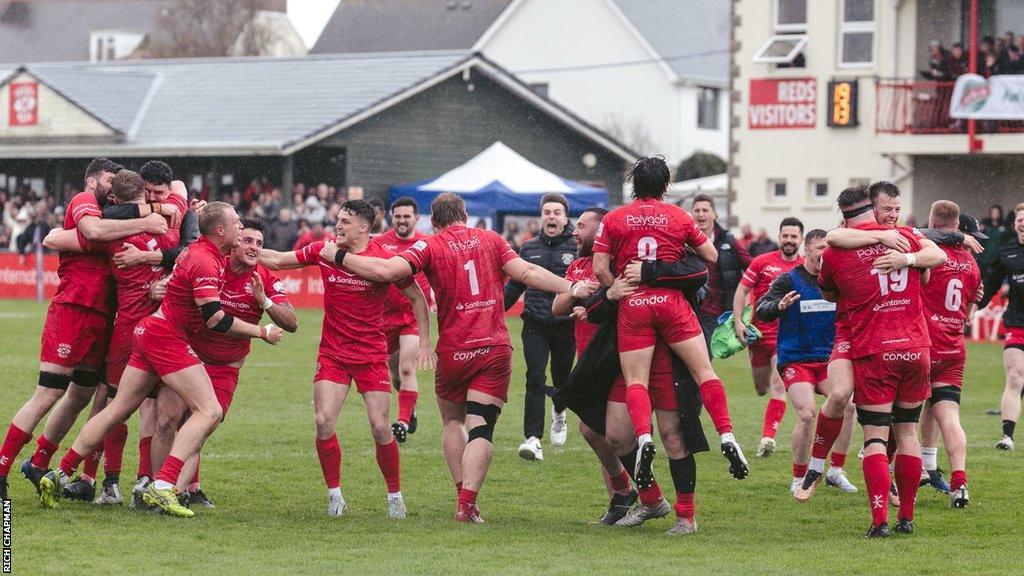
(63,350)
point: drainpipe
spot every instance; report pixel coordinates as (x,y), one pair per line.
(895,37)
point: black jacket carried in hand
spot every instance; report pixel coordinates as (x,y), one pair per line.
(554,254)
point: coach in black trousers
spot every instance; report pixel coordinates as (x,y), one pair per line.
(544,334)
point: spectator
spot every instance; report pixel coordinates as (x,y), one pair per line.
(762,244)
(746,236)
(313,211)
(531,232)
(37,229)
(938,62)
(511,234)
(481,223)
(956,63)
(16,219)
(380,223)
(283,231)
(997,231)
(312,233)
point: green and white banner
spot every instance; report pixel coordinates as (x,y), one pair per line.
(995,98)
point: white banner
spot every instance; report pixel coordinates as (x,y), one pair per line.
(995,98)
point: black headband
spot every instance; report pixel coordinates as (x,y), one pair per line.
(854,212)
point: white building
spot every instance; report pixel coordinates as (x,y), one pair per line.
(654,73)
(829,93)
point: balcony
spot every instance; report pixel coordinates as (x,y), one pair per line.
(922,107)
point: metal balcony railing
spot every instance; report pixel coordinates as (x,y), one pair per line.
(922,107)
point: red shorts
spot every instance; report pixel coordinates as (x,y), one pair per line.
(645,317)
(369,377)
(225,380)
(761,353)
(74,336)
(486,370)
(119,353)
(1014,337)
(393,331)
(841,347)
(895,376)
(948,369)
(814,373)
(661,389)
(160,348)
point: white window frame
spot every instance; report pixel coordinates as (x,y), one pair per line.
(812,185)
(856,27)
(772,197)
(801,42)
(778,27)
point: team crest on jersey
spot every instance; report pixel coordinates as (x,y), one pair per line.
(567,258)
(139,330)
(789,374)
(63,350)
(420,245)
(248,289)
(843,346)
(279,286)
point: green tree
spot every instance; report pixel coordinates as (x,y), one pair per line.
(698,165)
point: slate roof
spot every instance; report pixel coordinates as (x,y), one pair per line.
(401,25)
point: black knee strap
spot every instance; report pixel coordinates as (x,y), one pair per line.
(489,413)
(86,379)
(54,381)
(906,415)
(871,441)
(945,393)
(871,418)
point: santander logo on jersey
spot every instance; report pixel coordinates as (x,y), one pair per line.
(476,305)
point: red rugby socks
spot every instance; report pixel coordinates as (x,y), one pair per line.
(712,394)
(876,478)
(113,448)
(406,405)
(13,443)
(44,452)
(145,462)
(773,415)
(387,460)
(328,451)
(639,405)
(908,477)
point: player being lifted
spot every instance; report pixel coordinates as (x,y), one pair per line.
(882,299)
(400,328)
(763,362)
(806,331)
(649,229)
(353,347)
(162,352)
(885,205)
(75,332)
(465,266)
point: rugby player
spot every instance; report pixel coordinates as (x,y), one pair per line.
(474,364)
(882,300)
(1009,266)
(400,329)
(133,304)
(949,300)
(885,205)
(162,352)
(354,348)
(806,326)
(76,328)
(649,229)
(763,362)
(249,290)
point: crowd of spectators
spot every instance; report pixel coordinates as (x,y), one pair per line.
(27,217)
(996,55)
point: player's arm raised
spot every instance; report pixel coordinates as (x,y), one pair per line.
(282,314)
(779,297)
(424,356)
(224,323)
(371,268)
(536,277)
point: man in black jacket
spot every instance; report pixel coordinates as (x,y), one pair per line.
(723,275)
(543,333)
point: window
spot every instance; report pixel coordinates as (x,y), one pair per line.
(777,191)
(707,108)
(857,33)
(817,190)
(782,49)
(790,15)
(104,46)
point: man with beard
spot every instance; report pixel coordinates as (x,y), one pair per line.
(399,321)
(544,333)
(76,329)
(763,270)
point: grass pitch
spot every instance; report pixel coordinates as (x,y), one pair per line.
(260,468)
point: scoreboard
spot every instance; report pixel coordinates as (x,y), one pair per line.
(842,103)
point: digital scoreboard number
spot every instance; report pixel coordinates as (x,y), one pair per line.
(842,103)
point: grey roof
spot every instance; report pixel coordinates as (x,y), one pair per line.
(394,25)
(677,28)
(59,30)
(217,103)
